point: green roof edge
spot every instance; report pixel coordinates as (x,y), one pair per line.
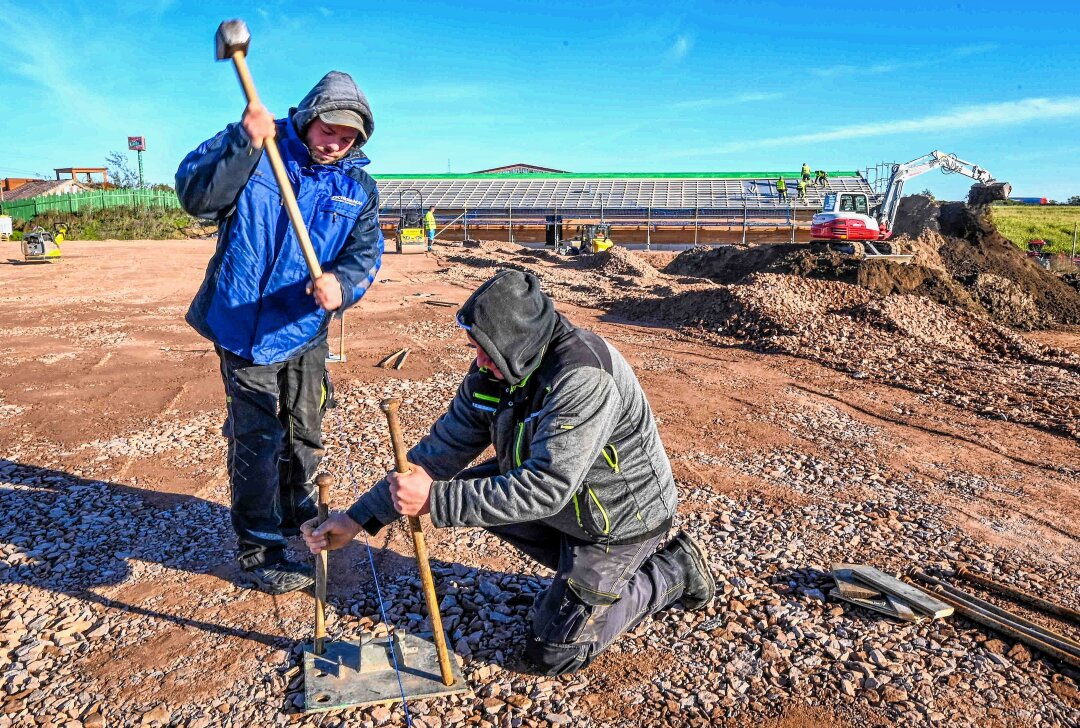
(611,175)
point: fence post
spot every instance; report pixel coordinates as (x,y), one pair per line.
(744,220)
(465,222)
(1074,240)
(511,225)
(648,230)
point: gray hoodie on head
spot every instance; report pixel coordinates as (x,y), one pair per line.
(335,91)
(576,444)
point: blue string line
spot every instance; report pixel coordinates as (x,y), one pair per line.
(378,592)
(391,638)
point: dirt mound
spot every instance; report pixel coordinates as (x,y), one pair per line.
(974,247)
(731,264)
(916,214)
(960,260)
(617,261)
(910,341)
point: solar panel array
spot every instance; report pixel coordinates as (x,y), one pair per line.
(547,194)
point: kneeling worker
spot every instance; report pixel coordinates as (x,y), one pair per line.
(580,482)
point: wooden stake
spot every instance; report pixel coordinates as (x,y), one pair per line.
(401,465)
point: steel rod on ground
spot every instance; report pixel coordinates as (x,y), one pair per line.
(1039,638)
(1020,595)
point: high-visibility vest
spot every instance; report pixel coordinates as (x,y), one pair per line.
(429,220)
(781,184)
(806,170)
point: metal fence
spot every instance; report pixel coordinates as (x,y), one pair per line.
(85,201)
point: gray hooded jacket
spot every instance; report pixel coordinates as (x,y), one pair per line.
(575,440)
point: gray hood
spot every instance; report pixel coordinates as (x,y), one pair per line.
(512,320)
(336,90)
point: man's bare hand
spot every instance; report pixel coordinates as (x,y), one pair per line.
(258,122)
(327,292)
(336,531)
(411,491)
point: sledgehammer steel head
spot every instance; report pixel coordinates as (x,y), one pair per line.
(232,36)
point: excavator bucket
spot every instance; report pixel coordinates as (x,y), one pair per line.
(984,194)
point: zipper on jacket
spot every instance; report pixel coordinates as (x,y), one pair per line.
(577,512)
(613,458)
(607,522)
(517,444)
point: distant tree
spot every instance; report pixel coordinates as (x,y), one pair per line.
(162,188)
(928,193)
(120,172)
(1074,200)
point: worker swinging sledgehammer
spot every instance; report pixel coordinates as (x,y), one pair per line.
(781,189)
(429,227)
(821,178)
(580,481)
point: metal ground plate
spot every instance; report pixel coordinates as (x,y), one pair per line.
(350,674)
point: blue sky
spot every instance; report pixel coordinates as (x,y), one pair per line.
(634,87)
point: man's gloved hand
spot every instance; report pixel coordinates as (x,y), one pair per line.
(336,531)
(258,124)
(411,491)
(327,291)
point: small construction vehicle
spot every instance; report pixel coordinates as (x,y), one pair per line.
(1036,250)
(847,222)
(593,238)
(41,246)
(410,227)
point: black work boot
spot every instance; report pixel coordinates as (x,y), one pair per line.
(699,583)
(279,578)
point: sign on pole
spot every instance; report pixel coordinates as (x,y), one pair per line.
(136,144)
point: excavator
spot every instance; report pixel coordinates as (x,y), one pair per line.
(847,222)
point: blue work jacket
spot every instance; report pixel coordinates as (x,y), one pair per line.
(253,300)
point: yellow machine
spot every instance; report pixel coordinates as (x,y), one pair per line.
(590,239)
(410,228)
(41,246)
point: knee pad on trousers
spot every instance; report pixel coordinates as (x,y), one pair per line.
(553,658)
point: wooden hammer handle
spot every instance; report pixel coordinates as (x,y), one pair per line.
(401,465)
(284,185)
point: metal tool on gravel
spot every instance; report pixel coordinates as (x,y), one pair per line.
(232,42)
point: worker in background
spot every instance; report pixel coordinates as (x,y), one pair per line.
(806,173)
(429,227)
(265,316)
(801,186)
(781,189)
(821,178)
(580,481)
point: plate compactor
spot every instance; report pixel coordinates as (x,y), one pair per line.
(41,246)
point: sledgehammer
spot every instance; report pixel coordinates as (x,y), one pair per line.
(232,41)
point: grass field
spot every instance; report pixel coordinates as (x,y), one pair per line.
(1054,224)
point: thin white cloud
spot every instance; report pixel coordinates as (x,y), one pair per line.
(325,11)
(1008,113)
(681,47)
(877,69)
(710,102)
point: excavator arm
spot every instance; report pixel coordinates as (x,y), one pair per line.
(986,190)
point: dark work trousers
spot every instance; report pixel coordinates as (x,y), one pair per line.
(274,427)
(597,594)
